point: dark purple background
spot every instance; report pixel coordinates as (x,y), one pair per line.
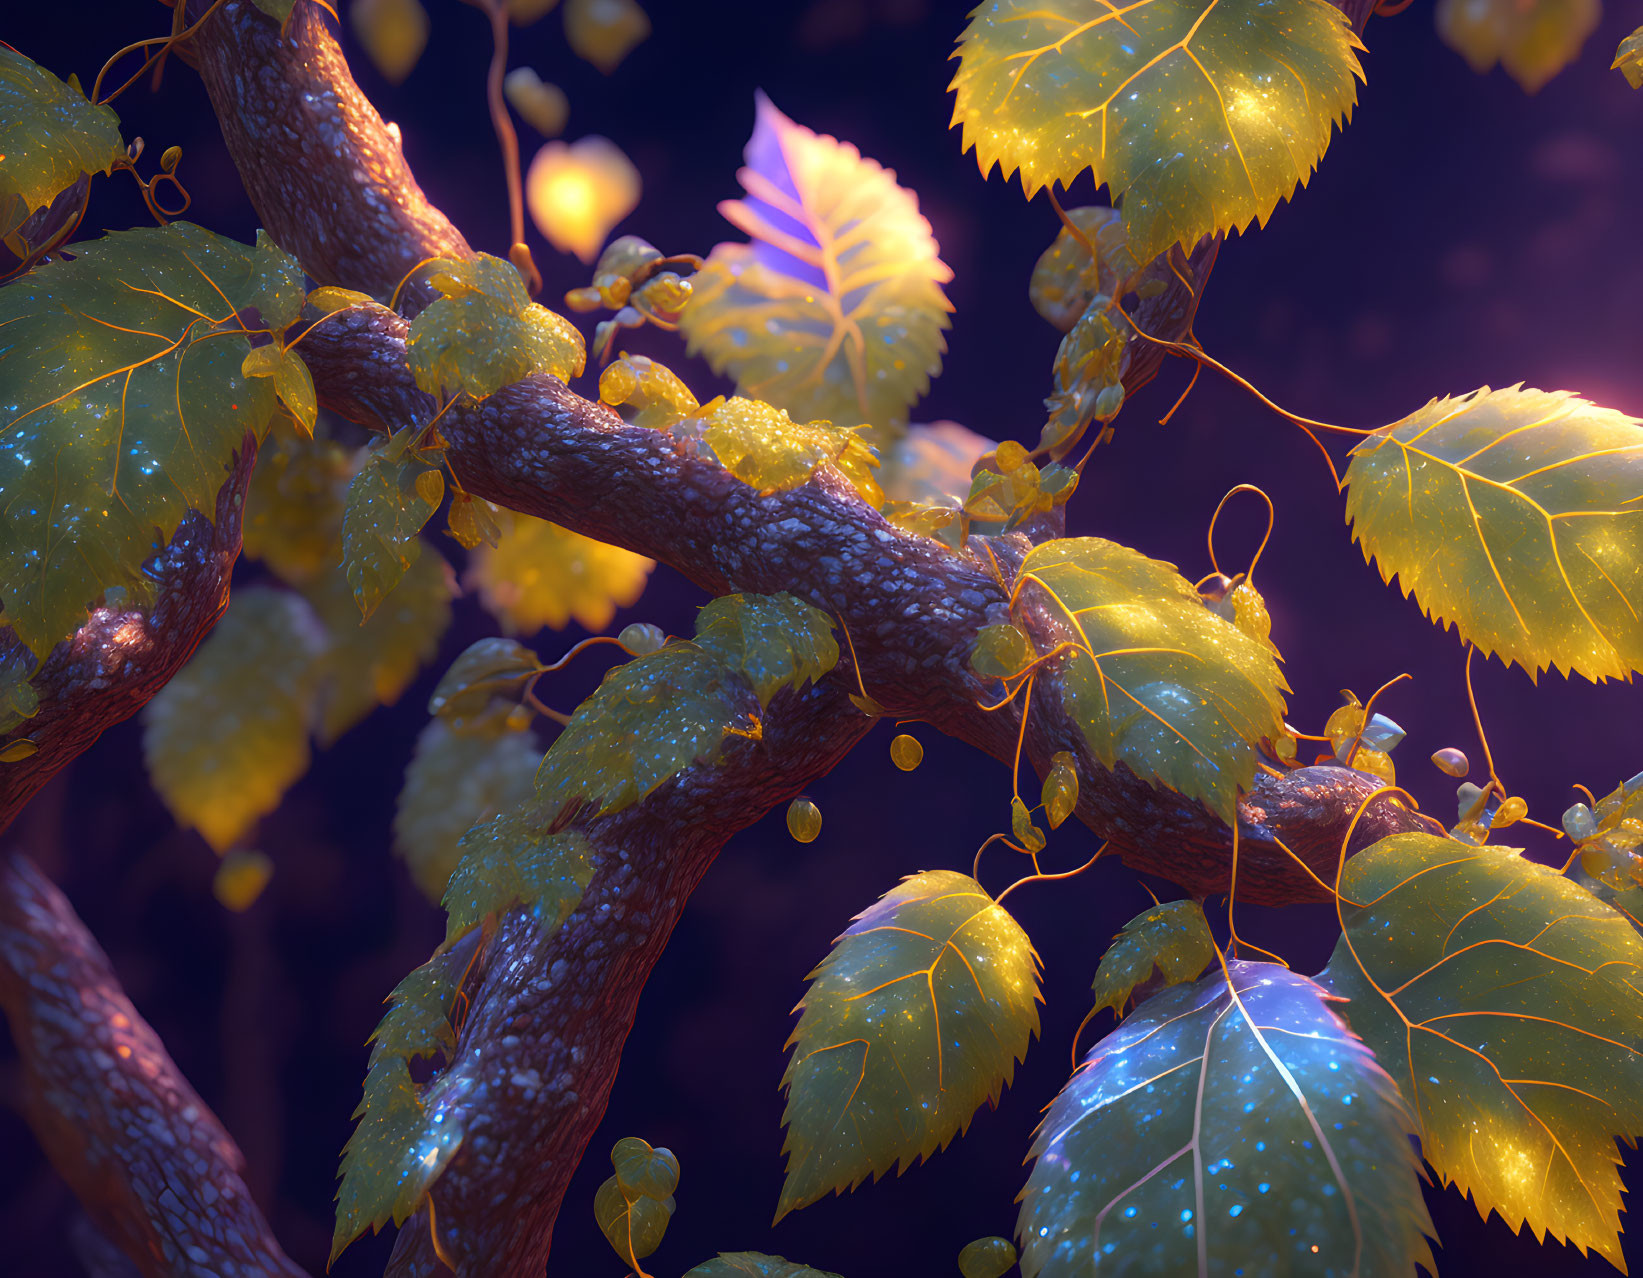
(1458,233)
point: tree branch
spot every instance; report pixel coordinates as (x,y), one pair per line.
(159,1175)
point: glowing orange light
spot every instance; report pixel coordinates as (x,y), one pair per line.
(577,193)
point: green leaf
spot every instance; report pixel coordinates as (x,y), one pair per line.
(987,1258)
(1200,114)
(404,1141)
(649,719)
(1173,937)
(1066,278)
(370,663)
(915,1019)
(1001,652)
(1532,39)
(455,781)
(49,135)
(773,641)
(485,333)
(633,1226)
(1157,681)
(293,383)
(19,701)
(293,512)
(220,750)
(1059,794)
(1235,1125)
(1503,998)
(835,310)
(279,10)
(487,670)
(385,510)
(418,1024)
(539,574)
(1628,59)
(1515,515)
(766,449)
(509,861)
(121,405)
(754,1264)
(643,1169)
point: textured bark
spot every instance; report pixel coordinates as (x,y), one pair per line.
(540,1047)
(120,658)
(156,1171)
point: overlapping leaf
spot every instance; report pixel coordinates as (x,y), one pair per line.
(121,404)
(1173,937)
(1518,516)
(455,781)
(390,500)
(835,310)
(1532,39)
(511,861)
(484,332)
(1628,59)
(486,671)
(50,134)
(539,574)
(370,663)
(1200,114)
(773,641)
(917,1016)
(1231,1126)
(405,1136)
(220,750)
(632,1224)
(293,512)
(1157,681)
(766,449)
(649,719)
(1504,998)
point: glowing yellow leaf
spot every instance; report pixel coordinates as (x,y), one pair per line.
(394,33)
(485,333)
(240,879)
(577,193)
(917,1016)
(293,512)
(293,383)
(835,310)
(656,396)
(1200,114)
(1518,516)
(1628,59)
(454,782)
(766,449)
(604,31)
(1532,39)
(49,135)
(220,750)
(539,574)
(543,106)
(1504,1000)
(1156,679)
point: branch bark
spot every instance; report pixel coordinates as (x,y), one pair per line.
(159,1175)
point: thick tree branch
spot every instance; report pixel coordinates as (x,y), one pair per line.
(121,657)
(148,1159)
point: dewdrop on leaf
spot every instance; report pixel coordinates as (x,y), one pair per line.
(578,192)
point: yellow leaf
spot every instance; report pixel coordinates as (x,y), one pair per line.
(454,782)
(541,105)
(1518,516)
(293,513)
(914,1020)
(50,134)
(221,751)
(1628,59)
(240,879)
(485,333)
(394,33)
(293,383)
(1156,680)
(1173,938)
(1503,998)
(577,193)
(539,574)
(1532,39)
(604,31)
(1200,114)
(836,309)
(766,449)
